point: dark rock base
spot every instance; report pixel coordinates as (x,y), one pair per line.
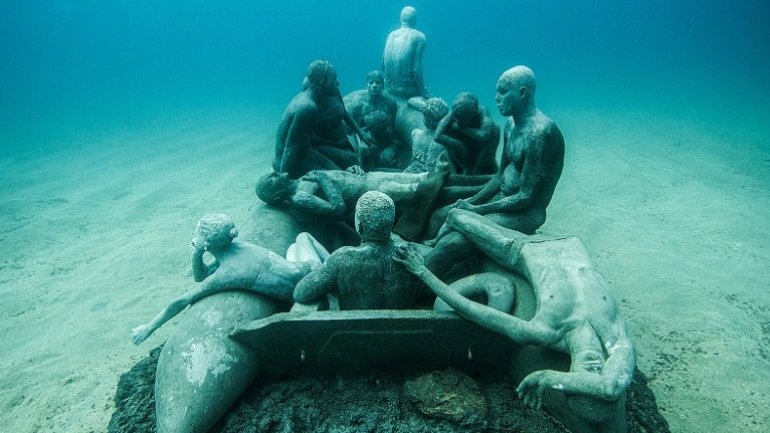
(367,403)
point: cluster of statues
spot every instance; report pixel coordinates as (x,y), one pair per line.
(419,181)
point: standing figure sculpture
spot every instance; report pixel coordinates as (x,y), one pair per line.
(530,167)
(470,137)
(238,266)
(367,276)
(312,134)
(576,313)
(402,58)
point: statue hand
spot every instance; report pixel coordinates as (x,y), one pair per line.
(532,387)
(411,260)
(464,205)
(356,169)
(198,244)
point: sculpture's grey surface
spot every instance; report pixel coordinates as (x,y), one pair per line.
(365,276)
(469,136)
(236,265)
(576,314)
(425,149)
(201,371)
(530,167)
(313,134)
(402,58)
(375,112)
(325,196)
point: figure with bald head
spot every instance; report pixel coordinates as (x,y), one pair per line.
(530,167)
(402,58)
(366,276)
(312,134)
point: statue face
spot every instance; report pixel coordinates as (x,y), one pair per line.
(375,87)
(508,99)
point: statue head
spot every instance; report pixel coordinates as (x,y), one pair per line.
(375,82)
(375,212)
(515,91)
(274,188)
(377,122)
(465,108)
(215,232)
(433,111)
(408,16)
(321,75)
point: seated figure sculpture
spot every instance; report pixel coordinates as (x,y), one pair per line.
(312,134)
(470,137)
(425,149)
(576,312)
(530,167)
(365,277)
(238,266)
(326,196)
(375,112)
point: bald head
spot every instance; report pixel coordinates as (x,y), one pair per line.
(515,90)
(518,76)
(409,16)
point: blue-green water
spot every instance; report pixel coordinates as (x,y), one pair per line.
(122,122)
(70,62)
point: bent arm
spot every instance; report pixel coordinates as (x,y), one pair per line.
(317,284)
(199,269)
(484,132)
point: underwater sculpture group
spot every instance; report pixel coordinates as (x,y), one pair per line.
(390,199)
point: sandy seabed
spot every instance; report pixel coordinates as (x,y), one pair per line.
(95,225)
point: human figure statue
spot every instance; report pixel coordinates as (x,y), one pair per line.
(470,137)
(328,196)
(312,134)
(530,167)
(402,58)
(576,313)
(238,265)
(425,149)
(375,112)
(366,276)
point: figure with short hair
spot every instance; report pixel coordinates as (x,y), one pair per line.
(312,134)
(425,149)
(366,276)
(469,136)
(375,111)
(576,313)
(238,265)
(402,58)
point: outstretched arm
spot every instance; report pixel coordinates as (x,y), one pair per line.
(520,331)
(609,385)
(142,332)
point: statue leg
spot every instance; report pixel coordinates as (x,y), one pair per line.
(307,249)
(495,241)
